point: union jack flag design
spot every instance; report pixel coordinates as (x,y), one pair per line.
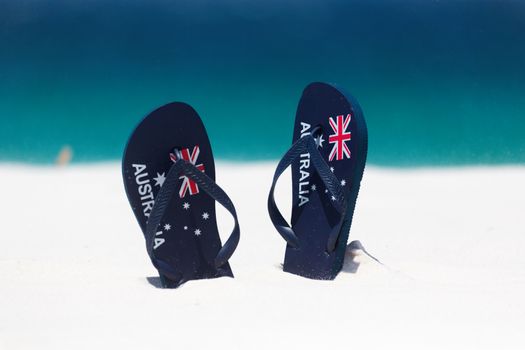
(187,184)
(340,137)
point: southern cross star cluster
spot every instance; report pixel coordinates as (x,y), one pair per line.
(197,231)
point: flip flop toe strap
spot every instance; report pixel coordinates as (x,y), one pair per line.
(163,198)
(306,144)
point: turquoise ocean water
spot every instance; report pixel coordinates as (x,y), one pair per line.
(440,82)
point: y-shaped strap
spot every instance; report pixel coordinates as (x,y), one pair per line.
(164,196)
(306,144)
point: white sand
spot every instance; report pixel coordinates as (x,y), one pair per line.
(73,267)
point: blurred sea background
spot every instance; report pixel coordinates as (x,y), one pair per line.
(440,82)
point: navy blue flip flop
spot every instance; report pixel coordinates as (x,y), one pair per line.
(327,158)
(169,177)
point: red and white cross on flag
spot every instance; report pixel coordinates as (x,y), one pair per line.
(187,184)
(340,136)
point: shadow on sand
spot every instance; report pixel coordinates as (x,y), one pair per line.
(350,264)
(354,249)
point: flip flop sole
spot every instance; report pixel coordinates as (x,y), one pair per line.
(342,142)
(187,238)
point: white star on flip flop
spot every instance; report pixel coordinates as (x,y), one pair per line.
(314,187)
(333,198)
(186,205)
(185,228)
(167,227)
(159,180)
(197,232)
(343,182)
(319,141)
(332,169)
(205,216)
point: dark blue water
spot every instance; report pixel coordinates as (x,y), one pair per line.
(440,82)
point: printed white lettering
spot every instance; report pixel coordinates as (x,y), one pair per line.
(144,189)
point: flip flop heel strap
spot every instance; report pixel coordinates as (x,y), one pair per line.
(161,204)
(307,144)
